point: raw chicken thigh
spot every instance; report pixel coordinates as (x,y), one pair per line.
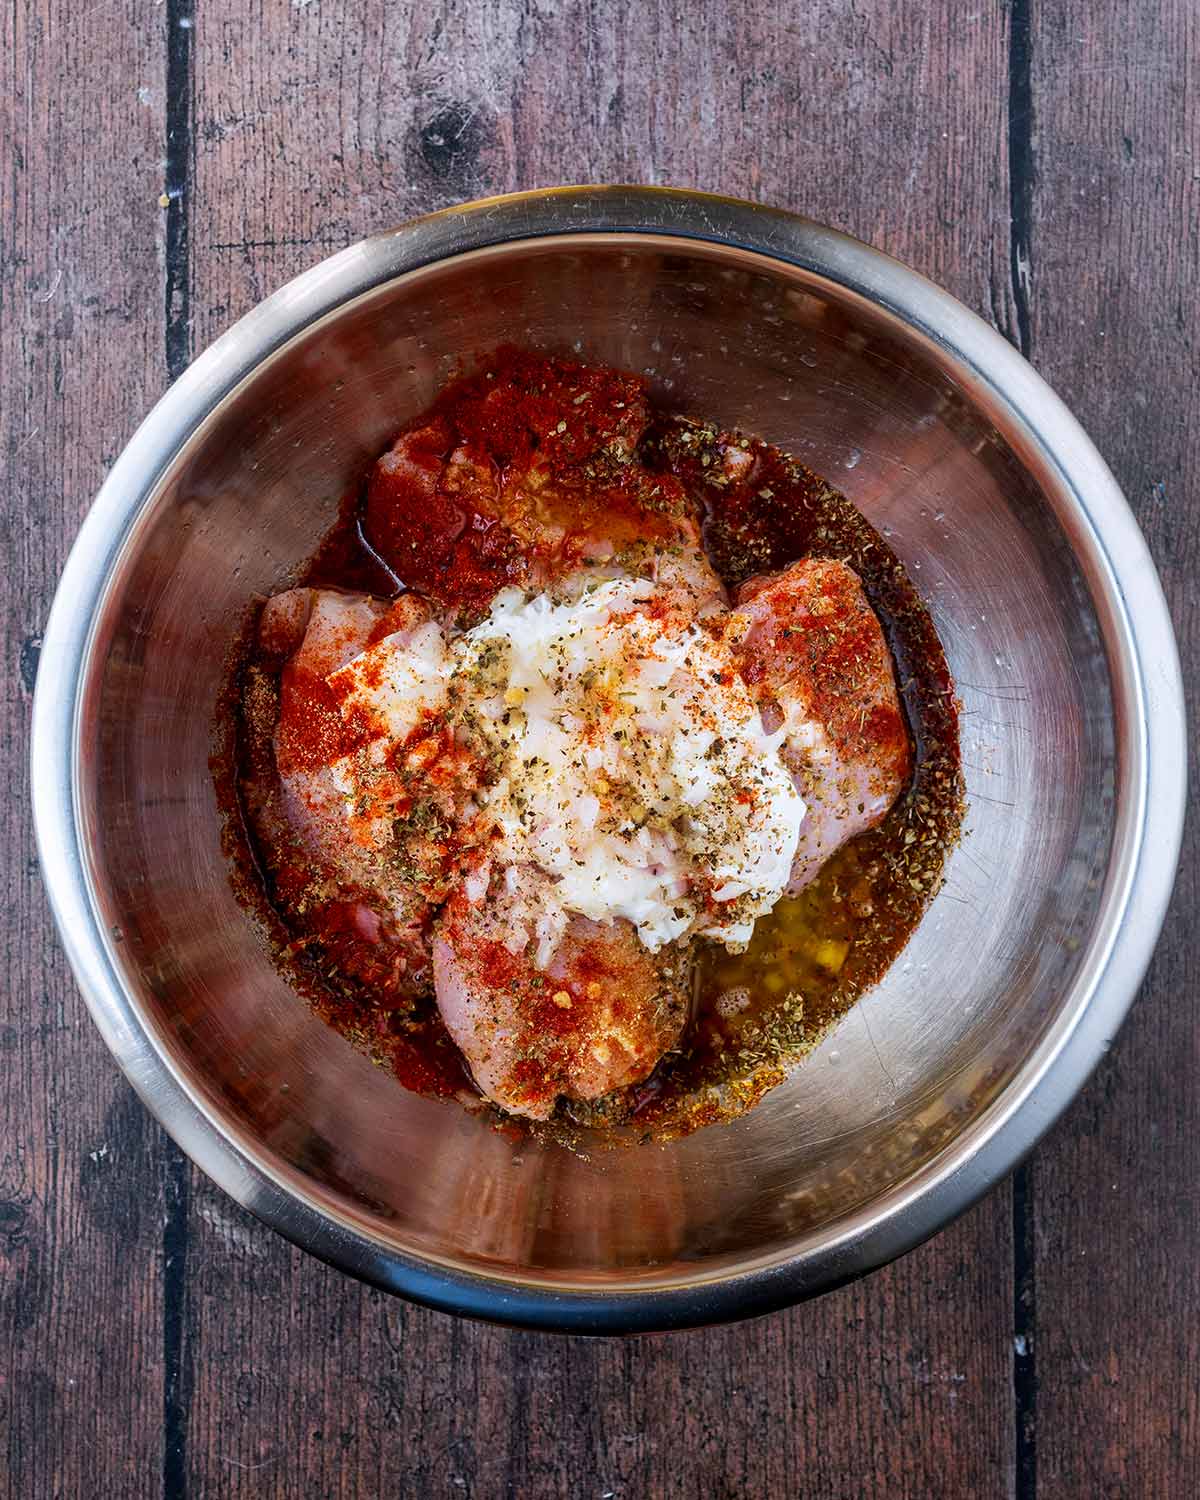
(477,498)
(599,1016)
(812,650)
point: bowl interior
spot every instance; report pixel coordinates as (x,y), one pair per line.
(934,463)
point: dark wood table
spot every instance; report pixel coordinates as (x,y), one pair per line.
(167,164)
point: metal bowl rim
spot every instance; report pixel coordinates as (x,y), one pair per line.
(1147,683)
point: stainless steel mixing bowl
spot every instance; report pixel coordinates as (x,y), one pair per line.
(938,1081)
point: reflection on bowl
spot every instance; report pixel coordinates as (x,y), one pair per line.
(934,1085)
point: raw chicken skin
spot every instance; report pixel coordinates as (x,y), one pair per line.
(336,629)
(598,1018)
(474,500)
(337,858)
(812,649)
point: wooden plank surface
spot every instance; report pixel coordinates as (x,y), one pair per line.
(161,1340)
(81,343)
(1115,287)
(451,101)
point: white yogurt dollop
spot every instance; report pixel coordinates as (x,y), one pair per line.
(630,760)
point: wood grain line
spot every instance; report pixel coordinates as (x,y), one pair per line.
(1020,164)
(180,23)
(1024,1257)
(1024,1334)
